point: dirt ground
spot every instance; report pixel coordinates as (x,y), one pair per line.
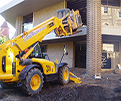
(106,89)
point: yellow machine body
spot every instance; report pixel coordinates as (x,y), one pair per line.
(10,66)
(48,66)
(75,78)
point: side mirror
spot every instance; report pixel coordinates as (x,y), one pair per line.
(65,50)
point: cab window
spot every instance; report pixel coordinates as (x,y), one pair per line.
(36,52)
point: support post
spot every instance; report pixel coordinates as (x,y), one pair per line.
(94,38)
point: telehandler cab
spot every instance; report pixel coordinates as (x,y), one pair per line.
(21,60)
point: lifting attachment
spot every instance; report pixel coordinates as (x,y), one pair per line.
(75,78)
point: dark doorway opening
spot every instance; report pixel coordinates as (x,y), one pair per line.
(80,5)
(80,54)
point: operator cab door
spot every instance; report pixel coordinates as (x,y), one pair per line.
(37,53)
(48,66)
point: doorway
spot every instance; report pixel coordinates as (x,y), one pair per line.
(80,54)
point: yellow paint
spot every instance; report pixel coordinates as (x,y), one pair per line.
(13,47)
(66,75)
(75,78)
(56,61)
(48,66)
(35,82)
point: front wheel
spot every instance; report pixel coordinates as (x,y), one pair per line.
(33,82)
(63,75)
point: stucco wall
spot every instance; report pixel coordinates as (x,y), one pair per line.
(55,50)
(46,13)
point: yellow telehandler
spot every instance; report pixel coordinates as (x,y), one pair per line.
(21,60)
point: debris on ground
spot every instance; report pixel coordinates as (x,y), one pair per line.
(106,89)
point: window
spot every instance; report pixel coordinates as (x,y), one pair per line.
(28,26)
(119,14)
(105,9)
(106,24)
(27,22)
(108,47)
(110,54)
(44,48)
(36,52)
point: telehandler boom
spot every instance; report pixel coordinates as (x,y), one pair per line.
(21,60)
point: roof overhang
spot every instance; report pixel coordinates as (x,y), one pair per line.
(111,30)
(23,7)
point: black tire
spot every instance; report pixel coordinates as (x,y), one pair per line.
(6,85)
(28,86)
(61,78)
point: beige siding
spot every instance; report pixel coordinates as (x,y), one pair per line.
(55,50)
(46,13)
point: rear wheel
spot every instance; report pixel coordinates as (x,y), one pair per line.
(6,85)
(33,82)
(63,74)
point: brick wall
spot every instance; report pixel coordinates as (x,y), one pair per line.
(55,50)
(112,17)
(46,13)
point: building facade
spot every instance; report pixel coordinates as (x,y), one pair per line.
(76,44)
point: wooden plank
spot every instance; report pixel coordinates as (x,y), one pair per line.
(73,1)
(111,2)
(114,2)
(76,2)
(76,6)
